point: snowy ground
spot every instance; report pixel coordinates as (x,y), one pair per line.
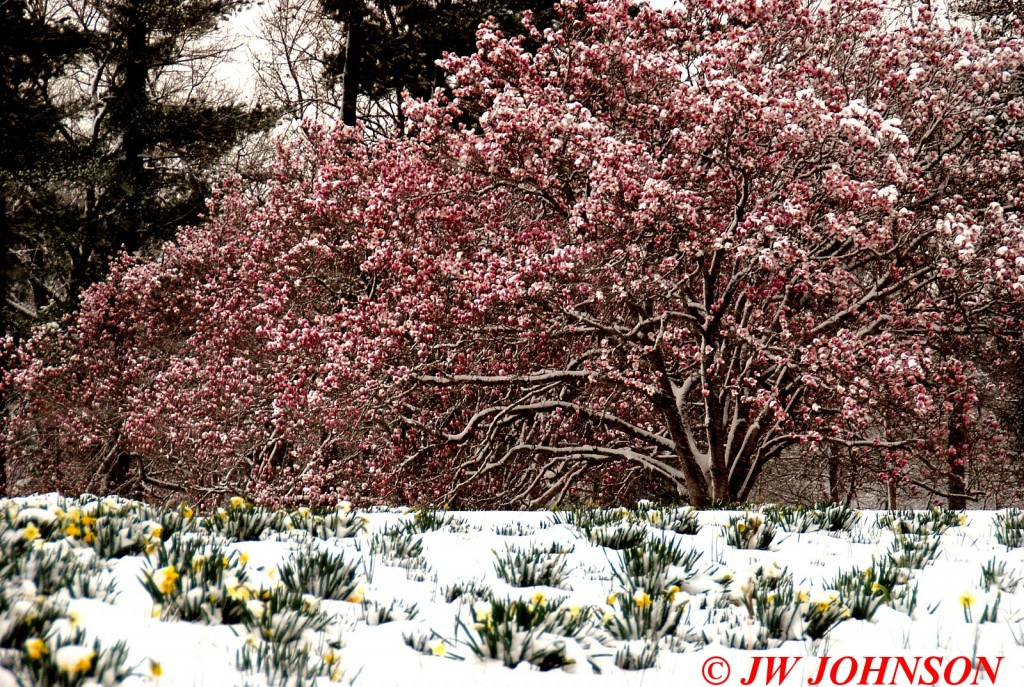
(75,574)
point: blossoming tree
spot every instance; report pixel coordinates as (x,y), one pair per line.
(654,253)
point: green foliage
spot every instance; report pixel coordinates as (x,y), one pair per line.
(283,615)
(375,613)
(321,573)
(340,524)
(639,655)
(749,531)
(517,631)
(995,575)
(656,565)
(921,523)
(827,517)
(287,664)
(864,591)
(909,551)
(198,581)
(60,660)
(644,614)
(242,521)
(531,568)
(1009,526)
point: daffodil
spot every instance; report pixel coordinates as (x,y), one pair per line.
(641,598)
(89,537)
(155,669)
(482,611)
(439,648)
(166,579)
(237,502)
(255,608)
(967,599)
(538,598)
(73,531)
(612,598)
(31,532)
(236,590)
(74,659)
(358,594)
(35,648)
(243,558)
(187,512)
(671,592)
(88,521)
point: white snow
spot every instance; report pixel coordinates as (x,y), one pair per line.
(191,654)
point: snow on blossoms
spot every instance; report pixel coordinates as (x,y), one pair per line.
(647,252)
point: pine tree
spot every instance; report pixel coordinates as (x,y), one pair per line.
(392,47)
(32,53)
(141,127)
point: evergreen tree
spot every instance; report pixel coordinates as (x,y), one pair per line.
(142,126)
(32,53)
(392,47)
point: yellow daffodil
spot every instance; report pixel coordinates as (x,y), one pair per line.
(237,591)
(243,559)
(73,531)
(330,658)
(482,611)
(89,537)
(439,649)
(31,532)
(74,659)
(35,648)
(88,521)
(237,502)
(538,598)
(641,598)
(358,594)
(741,527)
(166,579)
(671,592)
(155,669)
(187,512)
(612,598)
(967,599)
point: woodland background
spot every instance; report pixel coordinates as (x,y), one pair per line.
(155,361)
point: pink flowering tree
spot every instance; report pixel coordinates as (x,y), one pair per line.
(648,257)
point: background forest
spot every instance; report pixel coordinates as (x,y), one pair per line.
(580,254)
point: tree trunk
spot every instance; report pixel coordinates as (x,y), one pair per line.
(834,474)
(6,269)
(350,75)
(133,109)
(957,461)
